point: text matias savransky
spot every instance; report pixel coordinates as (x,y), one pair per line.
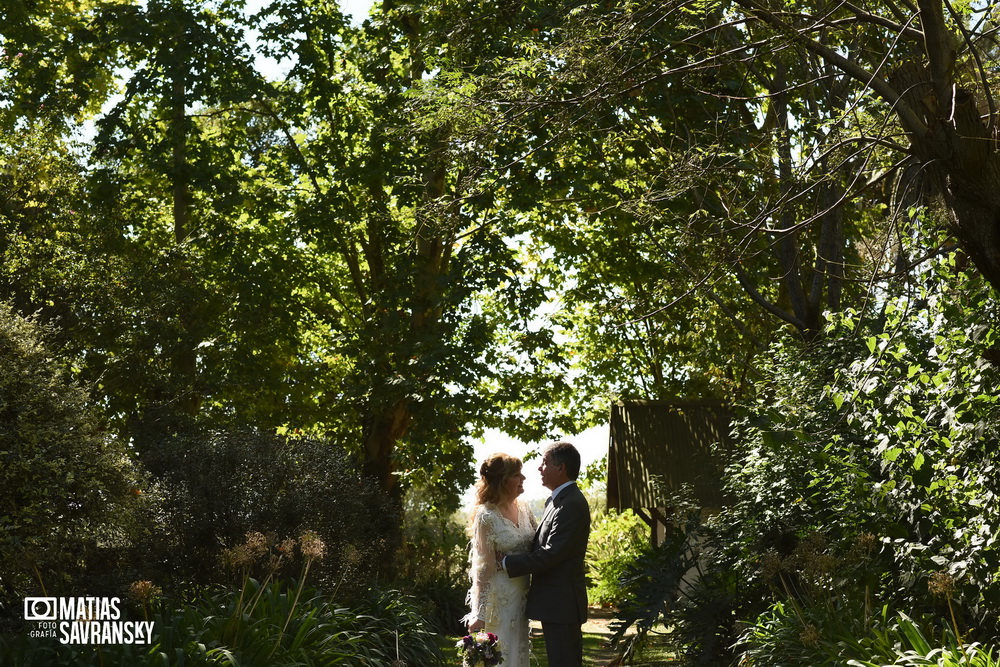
(85,620)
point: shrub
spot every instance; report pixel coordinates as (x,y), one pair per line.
(898,441)
(678,583)
(879,439)
(271,622)
(845,634)
(219,485)
(904,644)
(864,470)
(68,498)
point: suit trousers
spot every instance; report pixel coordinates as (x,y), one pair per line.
(563,644)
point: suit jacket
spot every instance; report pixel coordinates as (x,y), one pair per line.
(558,592)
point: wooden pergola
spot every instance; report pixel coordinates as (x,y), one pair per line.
(659,446)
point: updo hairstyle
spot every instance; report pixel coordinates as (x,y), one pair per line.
(494,471)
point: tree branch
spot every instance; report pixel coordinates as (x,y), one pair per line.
(868,17)
(940,53)
(910,120)
(983,79)
(759,299)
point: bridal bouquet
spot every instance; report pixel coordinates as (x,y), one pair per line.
(482,647)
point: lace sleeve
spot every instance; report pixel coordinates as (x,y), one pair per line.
(483,565)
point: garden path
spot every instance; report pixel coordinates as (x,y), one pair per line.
(596,650)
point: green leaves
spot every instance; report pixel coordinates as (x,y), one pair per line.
(869,433)
(67,490)
(892,454)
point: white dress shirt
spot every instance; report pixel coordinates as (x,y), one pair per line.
(555,492)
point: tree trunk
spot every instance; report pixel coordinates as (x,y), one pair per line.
(385,429)
(955,148)
(969,183)
(184,358)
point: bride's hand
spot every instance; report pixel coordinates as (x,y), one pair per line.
(477,626)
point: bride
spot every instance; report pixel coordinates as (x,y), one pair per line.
(500,524)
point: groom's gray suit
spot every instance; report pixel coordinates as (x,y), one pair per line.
(558,593)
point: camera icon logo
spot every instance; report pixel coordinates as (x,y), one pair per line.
(40,609)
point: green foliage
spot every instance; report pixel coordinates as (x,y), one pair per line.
(43,232)
(363,247)
(648,165)
(865,467)
(863,479)
(51,65)
(895,442)
(68,497)
(910,647)
(616,539)
(826,633)
(280,623)
(789,634)
(651,582)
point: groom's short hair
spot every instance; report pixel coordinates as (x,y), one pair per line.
(564,453)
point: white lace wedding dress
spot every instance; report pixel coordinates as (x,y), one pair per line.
(495,597)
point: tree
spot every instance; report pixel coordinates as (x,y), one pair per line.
(295,253)
(418,284)
(746,152)
(642,189)
(180,191)
(52,64)
(192,309)
(841,95)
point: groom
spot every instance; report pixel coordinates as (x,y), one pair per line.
(558,593)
